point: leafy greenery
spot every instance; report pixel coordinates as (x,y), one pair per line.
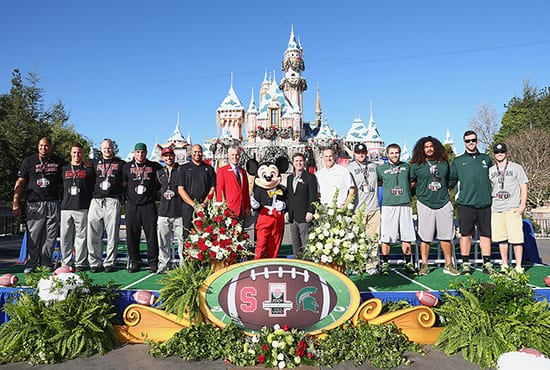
(179,295)
(485,320)
(23,121)
(203,341)
(80,325)
(380,345)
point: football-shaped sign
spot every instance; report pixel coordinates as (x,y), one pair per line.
(296,293)
(547,280)
(63,270)
(144,297)
(531,351)
(427,298)
(8,280)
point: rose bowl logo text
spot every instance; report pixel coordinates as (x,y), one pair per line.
(297,293)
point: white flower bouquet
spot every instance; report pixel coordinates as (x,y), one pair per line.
(338,238)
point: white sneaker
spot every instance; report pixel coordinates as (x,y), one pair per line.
(519,270)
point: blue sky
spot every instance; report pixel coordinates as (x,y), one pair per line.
(123,69)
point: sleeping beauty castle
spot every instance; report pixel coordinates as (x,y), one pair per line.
(273,122)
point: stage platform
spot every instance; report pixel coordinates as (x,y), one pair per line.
(394,287)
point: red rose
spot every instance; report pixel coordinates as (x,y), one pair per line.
(200,256)
(219,219)
(264,347)
(227,212)
(198,224)
(209,229)
(285,327)
(200,214)
(309,355)
(210,196)
(223,230)
(261,359)
(234,222)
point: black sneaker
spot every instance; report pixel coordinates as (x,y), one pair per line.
(466,269)
(109,268)
(410,269)
(95,269)
(80,268)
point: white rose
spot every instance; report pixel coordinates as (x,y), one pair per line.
(335,250)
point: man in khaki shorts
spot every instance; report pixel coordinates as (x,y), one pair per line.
(509,200)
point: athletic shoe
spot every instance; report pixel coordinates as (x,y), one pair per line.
(95,269)
(109,268)
(28,270)
(410,269)
(488,268)
(519,270)
(80,268)
(424,269)
(504,269)
(450,270)
(466,269)
(385,268)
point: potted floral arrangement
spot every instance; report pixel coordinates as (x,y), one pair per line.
(217,237)
(338,238)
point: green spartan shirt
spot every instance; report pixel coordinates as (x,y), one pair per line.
(432,183)
(396,188)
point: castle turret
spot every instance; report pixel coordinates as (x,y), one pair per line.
(230,114)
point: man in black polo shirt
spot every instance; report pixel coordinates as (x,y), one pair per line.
(42,174)
(197,181)
(170,218)
(78,186)
(139,176)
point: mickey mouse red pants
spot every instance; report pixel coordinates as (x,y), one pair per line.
(269,233)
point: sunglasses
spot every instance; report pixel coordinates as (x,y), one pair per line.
(499,152)
(467,141)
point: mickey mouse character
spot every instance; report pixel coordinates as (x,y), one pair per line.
(268,199)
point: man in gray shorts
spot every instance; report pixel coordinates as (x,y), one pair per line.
(396,215)
(509,201)
(430,175)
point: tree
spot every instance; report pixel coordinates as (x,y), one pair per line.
(23,121)
(485,123)
(525,113)
(531,148)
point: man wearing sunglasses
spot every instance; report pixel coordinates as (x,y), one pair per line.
(470,171)
(509,200)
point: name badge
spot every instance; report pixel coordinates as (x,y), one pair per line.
(168,194)
(434,186)
(397,191)
(140,189)
(74,190)
(105,185)
(43,182)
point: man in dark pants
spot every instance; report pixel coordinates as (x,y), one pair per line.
(139,176)
(302,190)
(42,174)
(196,182)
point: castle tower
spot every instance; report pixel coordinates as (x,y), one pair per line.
(293,84)
(230,114)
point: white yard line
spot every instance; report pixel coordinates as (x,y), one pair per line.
(412,280)
(138,281)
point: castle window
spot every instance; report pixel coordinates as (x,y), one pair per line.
(274,117)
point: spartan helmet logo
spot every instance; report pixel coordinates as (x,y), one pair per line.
(305,301)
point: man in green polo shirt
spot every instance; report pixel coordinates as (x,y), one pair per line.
(470,171)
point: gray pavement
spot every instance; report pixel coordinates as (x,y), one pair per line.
(135,356)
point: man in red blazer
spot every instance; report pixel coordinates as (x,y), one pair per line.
(232,185)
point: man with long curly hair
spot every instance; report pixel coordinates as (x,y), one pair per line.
(430,175)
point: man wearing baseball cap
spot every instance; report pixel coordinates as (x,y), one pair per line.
(509,196)
(365,182)
(170,219)
(139,176)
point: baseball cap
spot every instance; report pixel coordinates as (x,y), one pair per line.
(167,150)
(360,148)
(499,148)
(140,146)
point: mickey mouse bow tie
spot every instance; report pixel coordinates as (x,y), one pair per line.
(271,193)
